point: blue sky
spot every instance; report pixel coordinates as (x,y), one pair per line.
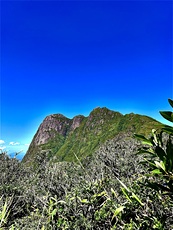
(72,56)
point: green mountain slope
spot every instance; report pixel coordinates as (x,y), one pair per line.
(60,139)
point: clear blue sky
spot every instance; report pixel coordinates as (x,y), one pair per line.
(72,56)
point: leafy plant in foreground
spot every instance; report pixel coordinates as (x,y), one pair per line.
(4,213)
(158,155)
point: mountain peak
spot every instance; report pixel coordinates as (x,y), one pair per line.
(103,110)
(54,116)
(103,113)
(52,124)
(60,136)
(76,121)
(97,109)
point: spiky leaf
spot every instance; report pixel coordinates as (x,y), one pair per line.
(170,102)
(168,115)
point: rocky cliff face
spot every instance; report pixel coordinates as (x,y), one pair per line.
(60,137)
(56,124)
(52,132)
(76,121)
(52,125)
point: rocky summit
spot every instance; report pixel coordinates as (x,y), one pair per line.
(62,139)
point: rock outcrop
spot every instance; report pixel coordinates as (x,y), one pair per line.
(52,125)
(76,122)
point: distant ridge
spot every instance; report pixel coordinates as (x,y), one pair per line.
(59,137)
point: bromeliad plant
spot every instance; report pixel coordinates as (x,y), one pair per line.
(158,155)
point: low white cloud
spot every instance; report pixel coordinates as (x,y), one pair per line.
(2,142)
(2,147)
(14,143)
(27,144)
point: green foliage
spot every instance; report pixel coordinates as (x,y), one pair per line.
(100,126)
(4,213)
(87,196)
(53,145)
(159,156)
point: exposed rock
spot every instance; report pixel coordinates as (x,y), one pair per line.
(53,124)
(76,122)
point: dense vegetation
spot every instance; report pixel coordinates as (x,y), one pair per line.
(126,184)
